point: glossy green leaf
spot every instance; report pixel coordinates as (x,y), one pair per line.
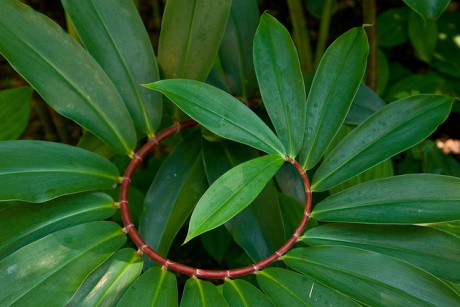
(365,103)
(64,74)
(50,270)
(278,72)
(334,86)
(406,199)
(394,128)
(239,292)
(37,171)
(371,278)
(191,32)
(231,193)
(220,112)
(198,292)
(423,36)
(114,34)
(288,288)
(24,223)
(428,9)
(155,287)
(106,285)
(173,194)
(392,27)
(14,111)
(432,250)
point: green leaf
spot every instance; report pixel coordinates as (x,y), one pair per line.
(392,27)
(242,293)
(51,269)
(37,171)
(106,285)
(115,36)
(64,74)
(432,250)
(423,36)
(14,111)
(220,112)
(406,199)
(201,293)
(288,288)
(281,83)
(371,278)
(394,128)
(155,287)
(428,9)
(365,103)
(231,193)
(334,86)
(24,223)
(191,32)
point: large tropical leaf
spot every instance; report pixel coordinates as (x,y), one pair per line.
(220,112)
(371,278)
(37,171)
(198,292)
(242,293)
(14,111)
(64,74)
(113,33)
(280,81)
(392,129)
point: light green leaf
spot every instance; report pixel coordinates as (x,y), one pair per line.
(432,250)
(198,292)
(220,112)
(155,287)
(14,111)
(428,9)
(114,34)
(242,293)
(37,171)
(191,32)
(371,278)
(334,86)
(277,67)
(23,223)
(106,285)
(64,74)
(423,36)
(288,288)
(231,193)
(51,269)
(394,128)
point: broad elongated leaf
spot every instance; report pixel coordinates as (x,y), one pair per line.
(428,9)
(231,193)
(51,269)
(392,129)
(106,285)
(242,293)
(423,36)
(64,74)
(220,112)
(371,278)
(37,171)
(334,86)
(24,223)
(365,103)
(288,288)
(115,36)
(432,250)
(14,111)
(191,33)
(280,81)
(406,199)
(201,293)
(155,287)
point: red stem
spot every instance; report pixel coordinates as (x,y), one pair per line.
(181,268)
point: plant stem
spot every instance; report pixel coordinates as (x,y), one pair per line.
(300,33)
(369,13)
(323,30)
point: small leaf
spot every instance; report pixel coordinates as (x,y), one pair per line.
(392,27)
(231,193)
(428,9)
(220,112)
(280,80)
(406,199)
(14,111)
(423,36)
(372,279)
(394,128)
(198,292)
(37,171)
(334,86)
(365,103)
(242,293)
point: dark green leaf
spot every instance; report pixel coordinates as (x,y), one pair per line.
(242,293)
(198,292)
(447,52)
(365,103)
(392,27)
(428,9)
(14,111)
(37,171)
(423,36)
